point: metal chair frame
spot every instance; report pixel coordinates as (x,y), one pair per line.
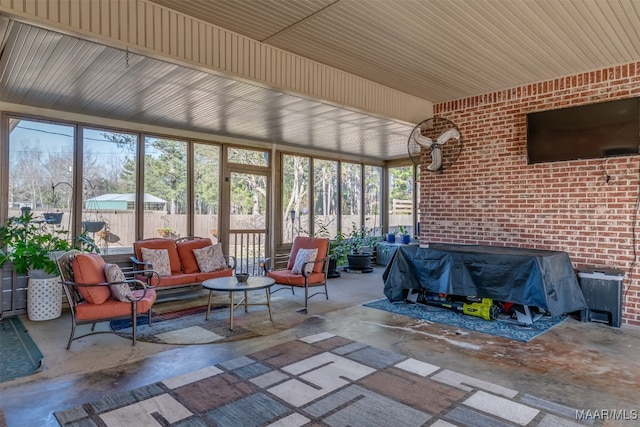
(72,293)
(267,266)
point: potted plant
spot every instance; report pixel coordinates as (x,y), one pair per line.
(338,251)
(338,248)
(92,226)
(29,243)
(32,245)
(404,233)
(391,237)
(361,243)
(53,217)
(165,232)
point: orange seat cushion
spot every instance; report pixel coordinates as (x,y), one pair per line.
(173,280)
(186,279)
(168,244)
(89,269)
(224,272)
(185,252)
(286,277)
(113,308)
(302,242)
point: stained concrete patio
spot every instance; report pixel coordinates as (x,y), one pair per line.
(582,365)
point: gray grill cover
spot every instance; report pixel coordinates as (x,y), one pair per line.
(544,279)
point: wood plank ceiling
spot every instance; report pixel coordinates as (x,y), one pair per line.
(434,49)
(439,50)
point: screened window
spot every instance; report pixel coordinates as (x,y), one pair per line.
(373,199)
(325,192)
(351,184)
(165,182)
(248,157)
(41,170)
(295,196)
(206,190)
(108,188)
(401,209)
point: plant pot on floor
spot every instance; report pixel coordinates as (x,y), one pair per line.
(333,272)
(360,263)
(44,296)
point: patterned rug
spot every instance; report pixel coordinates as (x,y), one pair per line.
(501,328)
(19,355)
(327,380)
(184,322)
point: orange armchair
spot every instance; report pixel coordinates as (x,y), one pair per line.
(97,297)
(302,273)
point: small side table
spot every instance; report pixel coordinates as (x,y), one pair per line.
(231,285)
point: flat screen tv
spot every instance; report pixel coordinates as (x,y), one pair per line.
(605,129)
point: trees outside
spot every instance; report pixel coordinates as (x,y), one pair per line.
(351,184)
(295,194)
(325,194)
(401,188)
(249,191)
(373,198)
(40,157)
(326,185)
(41,177)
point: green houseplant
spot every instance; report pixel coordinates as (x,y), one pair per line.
(30,244)
(338,251)
(361,243)
(404,234)
(338,248)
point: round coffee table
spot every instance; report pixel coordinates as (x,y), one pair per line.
(231,285)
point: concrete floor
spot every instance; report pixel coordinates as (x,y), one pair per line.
(582,365)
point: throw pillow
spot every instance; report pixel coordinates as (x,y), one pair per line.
(304,255)
(185,252)
(159,259)
(120,291)
(210,258)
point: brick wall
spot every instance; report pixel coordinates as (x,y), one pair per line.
(491,196)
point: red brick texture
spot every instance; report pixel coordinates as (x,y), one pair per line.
(491,196)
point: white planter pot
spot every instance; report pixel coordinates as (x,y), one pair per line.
(44,299)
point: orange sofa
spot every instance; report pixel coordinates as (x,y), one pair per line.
(182,260)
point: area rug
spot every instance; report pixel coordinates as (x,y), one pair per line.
(184,322)
(499,328)
(19,354)
(321,379)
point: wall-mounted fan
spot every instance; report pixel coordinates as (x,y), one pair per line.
(435,142)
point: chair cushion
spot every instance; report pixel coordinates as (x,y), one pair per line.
(224,272)
(119,291)
(302,242)
(114,308)
(210,258)
(303,256)
(167,244)
(173,280)
(159,259)
(185,252)
(88,269)
(286,277)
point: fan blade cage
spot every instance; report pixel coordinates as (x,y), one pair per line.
(447,151)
